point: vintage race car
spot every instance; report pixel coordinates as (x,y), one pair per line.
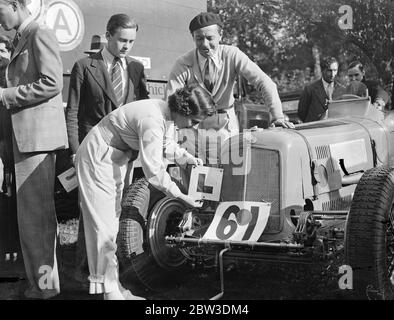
(325,188)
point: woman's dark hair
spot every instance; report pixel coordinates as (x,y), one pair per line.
(357,64)
(120,20)
(192,100)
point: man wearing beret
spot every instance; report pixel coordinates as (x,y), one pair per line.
(216,67)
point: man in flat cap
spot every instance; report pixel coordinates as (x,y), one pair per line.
(216,67)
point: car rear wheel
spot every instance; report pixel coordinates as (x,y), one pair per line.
(147,218)
(370,235)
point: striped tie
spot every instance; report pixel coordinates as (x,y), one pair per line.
(208,78)
(116,77)
(15,41)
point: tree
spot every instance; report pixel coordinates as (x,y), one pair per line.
(371,35)
(373,31)
(250,25)
(294,34)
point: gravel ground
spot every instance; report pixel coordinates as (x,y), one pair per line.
(261,282)
(245,282)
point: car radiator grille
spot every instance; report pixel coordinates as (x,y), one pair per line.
(261,184)
(338,204)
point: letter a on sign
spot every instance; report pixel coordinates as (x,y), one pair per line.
(205,183)
(61,23)
(66,20)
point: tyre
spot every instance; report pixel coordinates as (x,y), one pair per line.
(147,217)
(370,235)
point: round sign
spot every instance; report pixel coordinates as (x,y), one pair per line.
(36,8)
(66,20)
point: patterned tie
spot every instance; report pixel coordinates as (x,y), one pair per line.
(208,78)
(116,77)
(16,40)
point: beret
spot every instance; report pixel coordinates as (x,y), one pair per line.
(204,19)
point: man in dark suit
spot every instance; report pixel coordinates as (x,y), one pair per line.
(315,97)
(33,98)
(104,81)
(5,117)
(9,235)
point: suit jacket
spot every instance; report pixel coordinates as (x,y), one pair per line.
(91,96)
(313,102)
(33,93)
(5,130)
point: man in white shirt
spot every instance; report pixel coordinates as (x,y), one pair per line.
(219,75)
(216,67)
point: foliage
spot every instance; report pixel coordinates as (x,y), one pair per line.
(250,26)
(371,39)
(373,32)
(288,37)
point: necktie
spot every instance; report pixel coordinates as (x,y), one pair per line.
(330,90)
(208,78)
(116,77)
(16,40)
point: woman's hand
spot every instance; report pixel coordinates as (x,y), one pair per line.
(379,104)
(190,201)
(194,161)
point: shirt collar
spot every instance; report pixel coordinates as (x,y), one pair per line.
(214,58)
(109,58)
(326,84)
(24,24)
